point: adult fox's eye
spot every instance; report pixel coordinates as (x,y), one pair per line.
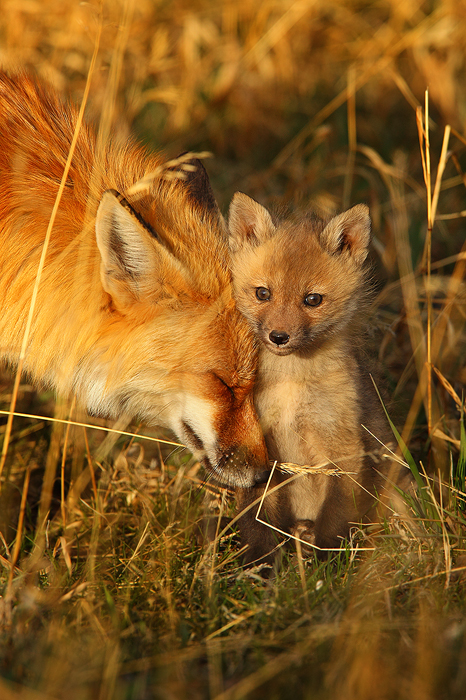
(227,386)
(262,293)
(313,299)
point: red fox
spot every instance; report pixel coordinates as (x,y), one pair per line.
(134,312)
(301,285)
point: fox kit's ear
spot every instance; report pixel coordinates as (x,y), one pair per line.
(349,231)
(134,263)
(249,222)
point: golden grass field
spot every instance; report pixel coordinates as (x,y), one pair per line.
(106,594)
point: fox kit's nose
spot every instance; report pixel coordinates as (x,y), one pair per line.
(279,337)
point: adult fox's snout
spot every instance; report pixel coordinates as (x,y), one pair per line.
(245,462)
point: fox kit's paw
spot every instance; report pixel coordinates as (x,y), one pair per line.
(305,532)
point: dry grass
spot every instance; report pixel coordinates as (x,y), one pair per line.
(106,591)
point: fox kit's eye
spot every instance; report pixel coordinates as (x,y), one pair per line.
(313,299)
(262,293)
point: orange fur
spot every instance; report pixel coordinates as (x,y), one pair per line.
(141,321)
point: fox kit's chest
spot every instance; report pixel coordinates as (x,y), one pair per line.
(306,407)
(281,409)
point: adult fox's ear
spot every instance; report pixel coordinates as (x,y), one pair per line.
(135,265)
(350,232)
(249,222)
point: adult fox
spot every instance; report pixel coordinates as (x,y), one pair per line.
(134,312)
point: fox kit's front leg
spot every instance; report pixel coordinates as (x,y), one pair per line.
(263,520)
(332,521)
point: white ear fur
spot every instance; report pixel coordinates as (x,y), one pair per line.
(134,262)
(122,238)
(349,231)
(249,222)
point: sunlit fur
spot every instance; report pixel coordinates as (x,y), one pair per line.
(313,392)
(158,337)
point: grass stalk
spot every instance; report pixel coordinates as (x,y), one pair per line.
(32,306)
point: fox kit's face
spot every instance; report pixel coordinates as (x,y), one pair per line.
(297,283)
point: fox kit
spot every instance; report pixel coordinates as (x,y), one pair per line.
(301,286)
(134,312)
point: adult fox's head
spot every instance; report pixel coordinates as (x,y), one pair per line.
(134,315)
(297,282)
(186,358)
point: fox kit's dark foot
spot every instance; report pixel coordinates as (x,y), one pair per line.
(304,531)
(263,542)
(315,542)
(209,528)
